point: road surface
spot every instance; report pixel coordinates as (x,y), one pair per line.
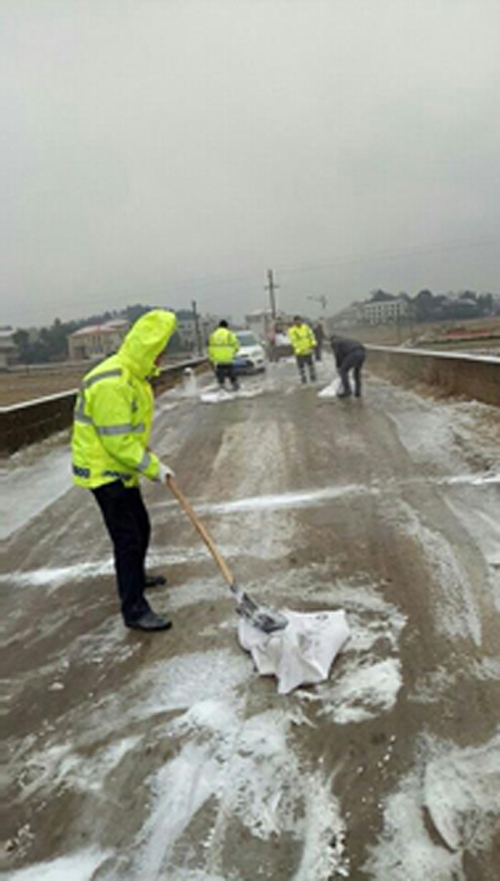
(165,756)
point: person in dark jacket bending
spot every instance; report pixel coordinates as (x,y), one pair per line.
(349,355)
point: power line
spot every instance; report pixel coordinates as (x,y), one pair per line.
(185,285)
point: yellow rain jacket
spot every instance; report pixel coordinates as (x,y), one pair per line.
(222,346)
(302,339)
(114,408)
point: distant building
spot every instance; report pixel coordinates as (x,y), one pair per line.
(97,341)
(8,348)
(348,317)
(385,311)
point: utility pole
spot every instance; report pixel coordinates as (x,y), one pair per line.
(199,343)
(271,287)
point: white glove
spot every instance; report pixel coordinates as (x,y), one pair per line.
(164,472)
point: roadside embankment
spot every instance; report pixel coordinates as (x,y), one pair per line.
(474,377)
(30,421)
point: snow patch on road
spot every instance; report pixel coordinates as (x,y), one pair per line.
(458,614)
(62,767)
(483,524)
(300,499)
(187,679)
(454,430)
(487,668)
(367,682)
(28,489)
(431,688)
(78,867)
(196,591)
(57,576)
(249,774)
(223,397)
(363,691)
(458,789)
(405,851)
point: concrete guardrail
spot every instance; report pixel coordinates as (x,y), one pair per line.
(473,376)
(23,424)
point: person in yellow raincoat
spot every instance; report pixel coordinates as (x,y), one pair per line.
(110,452)
(222,347)
(303,343)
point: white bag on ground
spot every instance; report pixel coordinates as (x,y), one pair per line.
(332,390)
(302,653)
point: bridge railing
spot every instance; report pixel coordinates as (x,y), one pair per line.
(455,373)
(30,421)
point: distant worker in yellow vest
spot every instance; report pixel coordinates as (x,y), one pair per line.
(110,452)
(303,343)
(222,348)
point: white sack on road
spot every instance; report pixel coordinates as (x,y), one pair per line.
(303,653)
(332,390)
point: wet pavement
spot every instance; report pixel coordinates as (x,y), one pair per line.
(165,756)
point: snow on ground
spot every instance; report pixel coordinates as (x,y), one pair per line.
(235,764)
(457,611)
(31,482)
(483,524)
(459,790)
(367,683)
(244,765)
(249,769)
(77,867)
(444,434)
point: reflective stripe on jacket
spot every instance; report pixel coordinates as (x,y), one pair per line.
(114,408)
(222,346)
(302,339)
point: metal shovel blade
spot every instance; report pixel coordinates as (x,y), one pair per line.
(262,617)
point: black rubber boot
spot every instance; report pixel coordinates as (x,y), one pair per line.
(150,621)
(155,581)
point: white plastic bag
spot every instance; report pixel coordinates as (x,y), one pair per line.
(332,390)
(302,653)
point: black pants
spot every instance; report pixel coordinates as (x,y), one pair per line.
(302,360)
(226,371)
(127,522)
(353,361)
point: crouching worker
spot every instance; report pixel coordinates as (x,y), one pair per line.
(222,348)
(303,343)
(349,355)
(111,429)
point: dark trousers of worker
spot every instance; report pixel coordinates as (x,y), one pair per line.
(127,522)
(226,371)
(302,361)
(353,361)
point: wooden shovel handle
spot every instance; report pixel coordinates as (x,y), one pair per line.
(219,559)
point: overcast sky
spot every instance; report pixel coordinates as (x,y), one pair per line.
(158,151)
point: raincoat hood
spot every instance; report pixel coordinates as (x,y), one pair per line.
(146,340)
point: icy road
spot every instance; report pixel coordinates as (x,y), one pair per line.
(134,757)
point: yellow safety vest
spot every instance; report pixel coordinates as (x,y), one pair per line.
(222,346)
(114,408)
(302,339)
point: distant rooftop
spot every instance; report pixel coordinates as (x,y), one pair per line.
(108,327)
